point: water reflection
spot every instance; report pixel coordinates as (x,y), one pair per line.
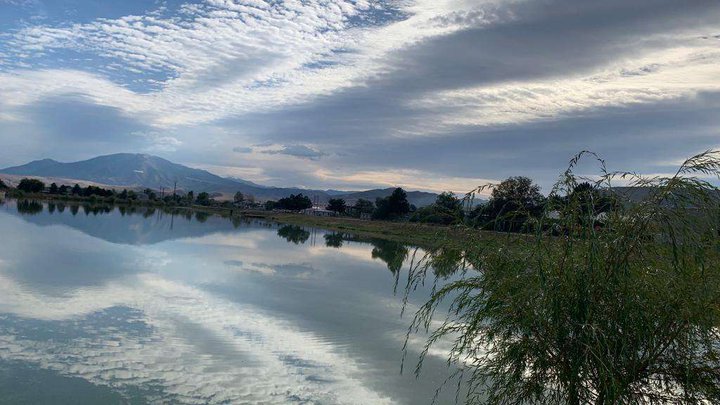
(166,306)
(294,234)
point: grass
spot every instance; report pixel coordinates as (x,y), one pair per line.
(422,235)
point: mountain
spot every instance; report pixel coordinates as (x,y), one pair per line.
(128,170)
(418,198)
(147,171)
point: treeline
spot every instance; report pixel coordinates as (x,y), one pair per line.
(393,207)
(145,197)
(515,205)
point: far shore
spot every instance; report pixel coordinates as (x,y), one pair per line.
(422,235)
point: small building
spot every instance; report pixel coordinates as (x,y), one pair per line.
(319,212)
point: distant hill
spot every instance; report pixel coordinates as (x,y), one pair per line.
(147,171)
(128,170)
(419,198)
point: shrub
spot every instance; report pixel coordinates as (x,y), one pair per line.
(626,313)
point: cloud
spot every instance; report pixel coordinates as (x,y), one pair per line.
(359,87)
(299,151)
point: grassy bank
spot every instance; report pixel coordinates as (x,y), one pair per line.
(417,234)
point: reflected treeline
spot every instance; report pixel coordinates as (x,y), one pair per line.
(444,262)
(29,207)
(32,207)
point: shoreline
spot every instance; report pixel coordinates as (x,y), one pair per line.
(422,235)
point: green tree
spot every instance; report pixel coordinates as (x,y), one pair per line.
(363,206)
(270,205)
(53,189)
(239,198)
(152,196)
(3,186)
(446,210)
(294,202)
(31,185)
(393,206)
(513,203)
(76,190)
(337,205)
(203,199)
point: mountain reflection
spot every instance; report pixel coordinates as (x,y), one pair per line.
(127,224)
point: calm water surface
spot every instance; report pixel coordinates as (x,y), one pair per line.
(109,306)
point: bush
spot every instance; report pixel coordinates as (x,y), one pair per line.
(294,202)
(627,313)
(31,185)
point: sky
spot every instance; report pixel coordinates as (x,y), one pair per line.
(352,94)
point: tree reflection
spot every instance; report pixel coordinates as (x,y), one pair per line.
(446,261)
(391,252)
(334,239)
(294,234)
(28,207)
(201,216)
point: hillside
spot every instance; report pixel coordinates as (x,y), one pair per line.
(419,198)
(147,171)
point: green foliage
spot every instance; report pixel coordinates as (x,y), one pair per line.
(203,199)
(446,210)
(515,204)
(363,206)
(622,314)
(239,197)
(270,205)
(76,190)
(294,202)
(3,186)
(337,204)
(91,191)
(393,206)
(53,189)
(31,185)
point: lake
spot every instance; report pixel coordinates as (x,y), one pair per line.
(111,305)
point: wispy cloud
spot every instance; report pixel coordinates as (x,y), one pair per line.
(320,80)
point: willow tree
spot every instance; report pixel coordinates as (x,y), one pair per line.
(622,307)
